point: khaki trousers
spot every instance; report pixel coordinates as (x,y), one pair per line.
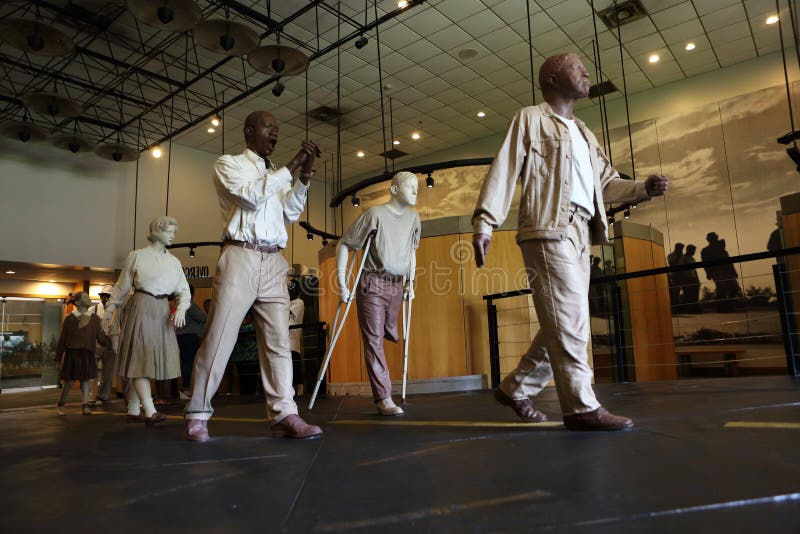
(378,302)
(246,278)
(558,274)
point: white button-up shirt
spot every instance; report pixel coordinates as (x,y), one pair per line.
(158,273)
(257,201)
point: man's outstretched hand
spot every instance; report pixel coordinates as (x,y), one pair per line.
(480,245)
(656,185)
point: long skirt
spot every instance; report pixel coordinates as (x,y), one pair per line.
(148,347)
(79,364)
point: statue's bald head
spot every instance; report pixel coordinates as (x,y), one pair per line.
(261,133)
(255,119)
(550,68)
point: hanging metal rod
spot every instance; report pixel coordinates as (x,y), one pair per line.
(419,169)
(353,35)
(207,72)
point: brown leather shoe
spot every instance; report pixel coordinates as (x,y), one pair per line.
(156,418)
(522,407)
(197,430)
(293,426)
(599,419)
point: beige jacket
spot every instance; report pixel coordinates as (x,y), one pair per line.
(537,150)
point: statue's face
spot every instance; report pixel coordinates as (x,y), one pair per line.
(407,192)
(263,136)
(572,79)
(167,235)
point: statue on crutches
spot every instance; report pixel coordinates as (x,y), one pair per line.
(389,235)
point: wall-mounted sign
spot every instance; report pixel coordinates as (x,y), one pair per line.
(201,271)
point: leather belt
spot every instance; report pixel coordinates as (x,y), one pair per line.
(152,295)
(580,212)
(269,249)
(386,276)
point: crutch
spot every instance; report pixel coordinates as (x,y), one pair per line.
(340,318)
(407,328)
(406,335)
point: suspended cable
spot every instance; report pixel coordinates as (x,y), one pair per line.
(625,94)
(380,87)
(530,50)
(169,155)
(391,127)
(603,106)
(786,75)
(136,186)
(339,107)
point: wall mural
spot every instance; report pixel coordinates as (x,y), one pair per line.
(727,175)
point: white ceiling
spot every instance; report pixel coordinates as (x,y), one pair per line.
(432,90)
(438,94)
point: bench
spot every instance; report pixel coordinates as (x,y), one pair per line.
(727,353)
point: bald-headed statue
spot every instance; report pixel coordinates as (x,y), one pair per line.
(566,180)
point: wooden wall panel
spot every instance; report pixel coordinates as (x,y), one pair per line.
(648,312)
(504,271)
(347,360)
(791,238)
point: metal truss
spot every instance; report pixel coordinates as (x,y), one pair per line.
(144,86)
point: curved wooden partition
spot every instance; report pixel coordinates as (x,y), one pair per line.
(449,333)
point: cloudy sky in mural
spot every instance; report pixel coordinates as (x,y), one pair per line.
(727,175)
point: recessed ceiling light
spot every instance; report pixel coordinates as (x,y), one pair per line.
(156,152)
(654,58)
(396,142)
(415,136)
(360,154)
(211,130)
(402,3)
(690,46)
(467,53)
(11,272)
(772,19)
(481,114)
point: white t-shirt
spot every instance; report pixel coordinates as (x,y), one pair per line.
(582,192)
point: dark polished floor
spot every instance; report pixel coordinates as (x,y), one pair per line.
(452,464)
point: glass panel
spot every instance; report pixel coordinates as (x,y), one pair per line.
(52,313)
(25,360)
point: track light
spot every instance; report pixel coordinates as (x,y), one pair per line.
(627,213)
(191,252)
(227,42)
(310,236)
(24,135)
(165,14)
(355,201)
(362,42)
(611,220)
(324,242)
(278,65)
(215,120)
(429,181)
(633,206)
(116,155)
(74,146)
(156,152)
(36,42)
(278,89)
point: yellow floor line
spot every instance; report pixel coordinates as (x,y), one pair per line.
(757,424)
(478,424)
(180,418)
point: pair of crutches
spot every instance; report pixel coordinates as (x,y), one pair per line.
(340,318)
